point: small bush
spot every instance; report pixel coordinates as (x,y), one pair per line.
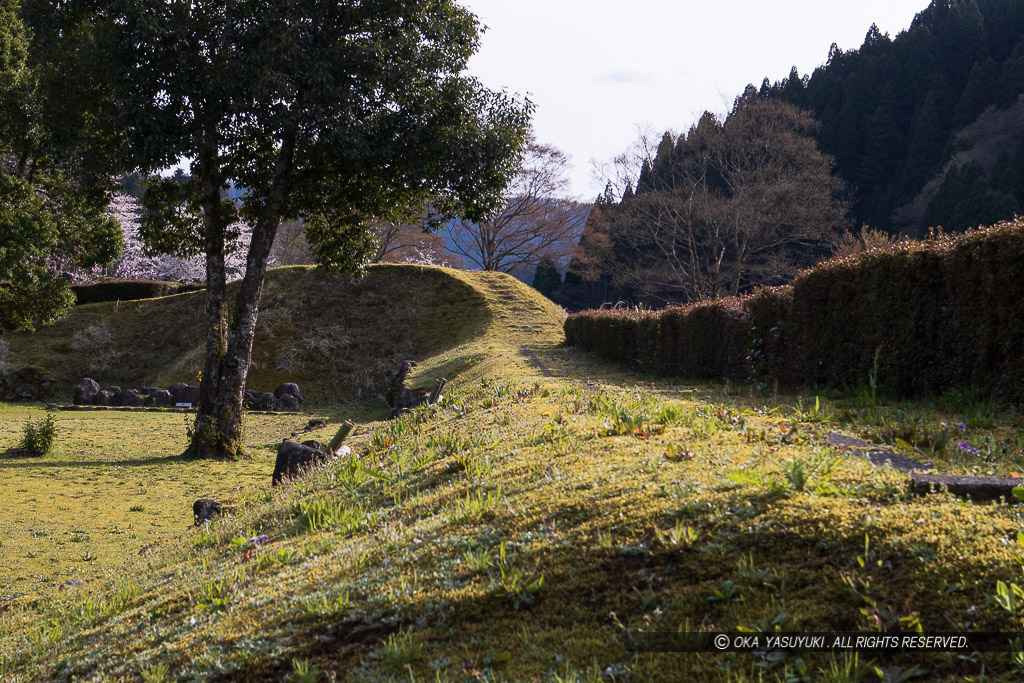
(189,287)
(38,436)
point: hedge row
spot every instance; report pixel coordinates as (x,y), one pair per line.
(922,317)
(128,290)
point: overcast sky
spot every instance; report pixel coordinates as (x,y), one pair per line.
(598,69)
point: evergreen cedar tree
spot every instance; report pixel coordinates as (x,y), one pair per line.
(53,190)
(891,112)
(335,113)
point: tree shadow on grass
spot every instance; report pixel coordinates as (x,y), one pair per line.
(19,454)
(14,458)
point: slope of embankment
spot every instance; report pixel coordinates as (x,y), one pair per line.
(337,337)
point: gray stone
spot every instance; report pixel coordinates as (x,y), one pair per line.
(26,384)
(183,393)
(288,388)
(128,397)
(113,389)
(405,401)
(160,398)
(204,510)
(976,488)
(259,400)
(86,392)
(288,403)
(293,458)
(876,454)
(104,398)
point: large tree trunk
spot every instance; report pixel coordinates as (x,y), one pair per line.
(218,426)
(204,435)
(218,429)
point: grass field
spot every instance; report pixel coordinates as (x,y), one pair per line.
(527,528)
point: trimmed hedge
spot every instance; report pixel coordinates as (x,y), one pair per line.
(931,315)
(129,290)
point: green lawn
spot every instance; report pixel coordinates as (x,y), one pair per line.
(112,486)
(527,528)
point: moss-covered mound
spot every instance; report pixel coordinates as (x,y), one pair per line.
(337,337)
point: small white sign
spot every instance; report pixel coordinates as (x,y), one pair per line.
(182,405)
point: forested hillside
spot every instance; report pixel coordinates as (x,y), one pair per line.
(925,129)
(894,114)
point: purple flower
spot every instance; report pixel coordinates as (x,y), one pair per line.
(967,448)
(962,427)
(260,540)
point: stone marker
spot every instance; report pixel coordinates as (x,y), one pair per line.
(435,393)
(346,428)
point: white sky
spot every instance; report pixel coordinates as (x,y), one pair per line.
(598,69)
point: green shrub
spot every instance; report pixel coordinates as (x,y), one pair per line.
(37,438)
(917,317)
(769,347)
(712,340)
(122,290)
(189,287)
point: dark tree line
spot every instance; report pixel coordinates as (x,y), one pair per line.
(924,129)
(890,113)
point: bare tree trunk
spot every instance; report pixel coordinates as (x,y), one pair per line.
(218,426)
(202,441)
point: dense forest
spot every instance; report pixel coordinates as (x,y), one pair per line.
(938,99)
(925,129)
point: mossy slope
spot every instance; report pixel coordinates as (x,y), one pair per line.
(337,337)
(529,528)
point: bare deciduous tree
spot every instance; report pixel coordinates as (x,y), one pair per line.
(409,243)
(731,205)
(538,221)
(291,248)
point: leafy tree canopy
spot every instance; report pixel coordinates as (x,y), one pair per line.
(51,199)
(332,112)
